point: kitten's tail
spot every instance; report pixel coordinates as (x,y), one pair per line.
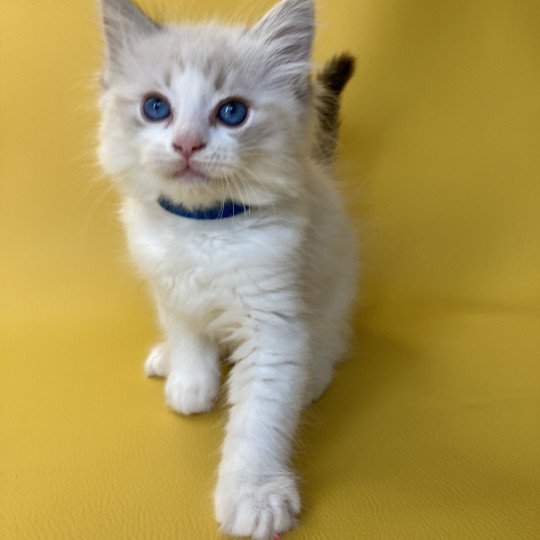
(329,83)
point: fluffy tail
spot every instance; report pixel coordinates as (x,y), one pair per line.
(329,84)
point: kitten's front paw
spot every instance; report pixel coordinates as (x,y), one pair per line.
(157,363)
(259,509)
(189,395)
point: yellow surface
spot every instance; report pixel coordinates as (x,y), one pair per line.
(431,429)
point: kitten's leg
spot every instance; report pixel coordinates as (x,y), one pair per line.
(157,362)
(193,380)
(256,493)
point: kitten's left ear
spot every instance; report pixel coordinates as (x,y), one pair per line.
(289,28)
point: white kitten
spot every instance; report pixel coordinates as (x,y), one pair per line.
(222,149)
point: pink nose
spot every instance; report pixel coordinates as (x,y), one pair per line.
(187,145)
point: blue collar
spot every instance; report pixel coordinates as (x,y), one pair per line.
(225,210)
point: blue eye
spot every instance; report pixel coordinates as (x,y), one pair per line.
(232,113)
(156,108)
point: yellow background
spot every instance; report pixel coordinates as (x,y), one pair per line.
(431,429)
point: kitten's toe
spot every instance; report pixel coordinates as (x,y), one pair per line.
(188,395)
(157,363)
(258,509)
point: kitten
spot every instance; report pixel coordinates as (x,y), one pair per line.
(222,148)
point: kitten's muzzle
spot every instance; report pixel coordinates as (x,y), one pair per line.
(188,144)
(190,174)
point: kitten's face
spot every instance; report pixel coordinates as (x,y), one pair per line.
(206,113)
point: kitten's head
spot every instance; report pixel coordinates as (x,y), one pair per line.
(204,113)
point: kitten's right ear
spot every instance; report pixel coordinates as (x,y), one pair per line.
(123,22)
(287,33)
(289,26)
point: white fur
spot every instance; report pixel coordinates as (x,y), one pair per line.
(269,289)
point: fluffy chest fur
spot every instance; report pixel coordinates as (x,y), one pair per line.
(203,269)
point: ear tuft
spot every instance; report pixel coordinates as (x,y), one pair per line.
(124,21)
(289,28)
